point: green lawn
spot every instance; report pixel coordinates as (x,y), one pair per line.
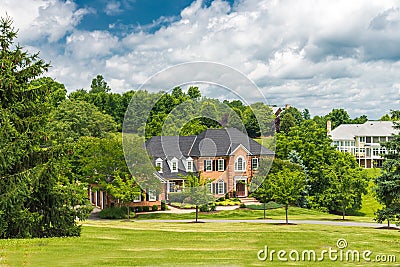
(122,243)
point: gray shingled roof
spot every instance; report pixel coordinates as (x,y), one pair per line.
(210,143)
(369,128)
(221,142)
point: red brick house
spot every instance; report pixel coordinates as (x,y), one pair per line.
(227,157)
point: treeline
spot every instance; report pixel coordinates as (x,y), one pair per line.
(169,112)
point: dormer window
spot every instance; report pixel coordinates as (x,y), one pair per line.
(240,164)
(174,165)
(159,165)
(254,163)
(189,164)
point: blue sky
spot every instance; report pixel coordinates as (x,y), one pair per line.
(315,54)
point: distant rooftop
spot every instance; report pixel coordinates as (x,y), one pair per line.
(369,128)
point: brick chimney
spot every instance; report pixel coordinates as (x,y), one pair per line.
(328,127)
(287,106)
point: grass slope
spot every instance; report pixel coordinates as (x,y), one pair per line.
(121,243)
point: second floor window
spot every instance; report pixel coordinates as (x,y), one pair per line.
(174,166)
(221,165)
(190,166)
(240,164)
(208,165)
(254,163)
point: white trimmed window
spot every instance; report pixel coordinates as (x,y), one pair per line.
(137,198)
(254,163)
(171,186)
(159,165)
(220,187)
(189,165)
(362,139)
(174,165)
(240,164)
(221,165)
(208,165)
(209,187)
(152,195)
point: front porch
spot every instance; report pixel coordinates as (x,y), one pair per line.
(240,186)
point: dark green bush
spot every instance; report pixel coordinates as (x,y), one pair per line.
(146,208)
(113,213)
(163,205)
(242,206)
(268,206)
(221,199)
(227,195)
(204,208)
(213,207)
(154,207)
(139,209)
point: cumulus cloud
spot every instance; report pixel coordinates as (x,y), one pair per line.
(312,54)
(49,19)
(113,8)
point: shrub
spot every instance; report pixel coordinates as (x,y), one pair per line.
(204,208)
(242,206)
(213,207)
(146,208)
(163,205)
(227,195)
(176,197)
(154,207)
(139,209)
(221,199)
(268,206)
(113,213)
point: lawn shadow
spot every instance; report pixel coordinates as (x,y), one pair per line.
(388,228)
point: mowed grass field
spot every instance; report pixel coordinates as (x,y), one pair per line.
(138,243)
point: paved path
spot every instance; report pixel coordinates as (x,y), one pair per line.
(172,209)
(337,223)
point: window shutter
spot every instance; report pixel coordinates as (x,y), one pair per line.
(225,188)
(215,188)
(204,166)
(224,164)
(214,163)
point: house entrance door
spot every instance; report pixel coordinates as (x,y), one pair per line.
(240,189)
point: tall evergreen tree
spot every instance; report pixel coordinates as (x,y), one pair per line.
(388,183)
(38,196)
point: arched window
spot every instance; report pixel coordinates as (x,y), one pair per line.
(159,165)
(240,164)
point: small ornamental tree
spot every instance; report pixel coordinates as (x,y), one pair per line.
(287,184)
(260,184)
(124,189)
(196,193)
(348,184)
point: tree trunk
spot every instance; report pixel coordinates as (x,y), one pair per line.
(286,209)
(388,223)
(197,213)
(343,210)
(264,210)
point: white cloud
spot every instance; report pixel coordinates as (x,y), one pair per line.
(113,8)
(83,45)
(316,54)
(50,19)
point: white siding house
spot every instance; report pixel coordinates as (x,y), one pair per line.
(364,141)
